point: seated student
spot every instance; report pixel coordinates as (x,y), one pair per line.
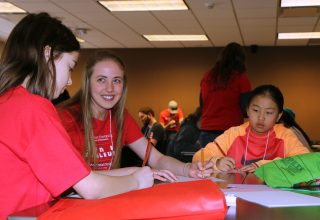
(288,120)
(99,125)
(150,125)
(38,161)
(258,141)
(170,118)
(187,139)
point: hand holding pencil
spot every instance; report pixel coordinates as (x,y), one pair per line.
(202,169)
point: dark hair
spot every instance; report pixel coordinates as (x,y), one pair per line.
(23,54)
(288,121)
(146,110)
(230,62)
(270,90)
(194,116)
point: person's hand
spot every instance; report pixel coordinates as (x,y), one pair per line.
(164,175)
(144,177)
(248,168)
(226,164)
(196,170)
(171,122)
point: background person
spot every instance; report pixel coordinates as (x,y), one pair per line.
(150,125)
(223,91)
(171,118)
(187,139)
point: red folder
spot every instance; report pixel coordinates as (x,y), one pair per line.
(184,201)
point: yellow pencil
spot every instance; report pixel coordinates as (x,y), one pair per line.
(202,161)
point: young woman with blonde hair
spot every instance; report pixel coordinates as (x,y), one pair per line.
(99,125)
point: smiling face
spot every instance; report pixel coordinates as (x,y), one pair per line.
(106,83)
(263,113)
(64,64)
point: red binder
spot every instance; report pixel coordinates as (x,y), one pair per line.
(193,200)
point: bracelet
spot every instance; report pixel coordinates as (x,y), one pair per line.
(186,169)
(214,161)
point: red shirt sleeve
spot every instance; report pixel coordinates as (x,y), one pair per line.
(57,163)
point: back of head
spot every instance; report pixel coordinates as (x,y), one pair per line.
(147,110)
(233,56)
(231,61)
(23,54)
(271,91)
(195,116)
(287,119)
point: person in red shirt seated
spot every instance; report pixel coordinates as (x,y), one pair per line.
(38,161)
(99,124)
(170,119)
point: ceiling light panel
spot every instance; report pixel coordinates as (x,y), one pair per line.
(299,3)
(144,5)
(301,35)
(6,7)
(176,37)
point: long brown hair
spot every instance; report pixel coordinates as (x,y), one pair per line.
(23,54)
(85,116)
(231,61)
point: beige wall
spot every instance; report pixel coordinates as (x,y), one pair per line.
(155,76)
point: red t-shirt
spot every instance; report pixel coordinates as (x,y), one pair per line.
(166,116)
(102,134)
(38,161)
(221,108)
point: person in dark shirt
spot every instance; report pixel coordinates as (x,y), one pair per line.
(187,141)
(150,125)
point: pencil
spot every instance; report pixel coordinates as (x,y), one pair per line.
(223,153)
(146,156)
(202,161)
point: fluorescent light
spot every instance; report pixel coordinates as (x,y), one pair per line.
(299,3)
(144,5)
(176,37)
(80,40)
(6,7)
(299,35)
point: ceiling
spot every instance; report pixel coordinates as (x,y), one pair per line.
(248,22)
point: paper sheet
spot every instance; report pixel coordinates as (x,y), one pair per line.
(266,196)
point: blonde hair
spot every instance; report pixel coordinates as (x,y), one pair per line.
(85,116)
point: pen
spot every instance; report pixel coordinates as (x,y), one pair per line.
(202,161)
(146,156)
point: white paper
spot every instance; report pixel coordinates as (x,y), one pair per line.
(280,198)
(269,197)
